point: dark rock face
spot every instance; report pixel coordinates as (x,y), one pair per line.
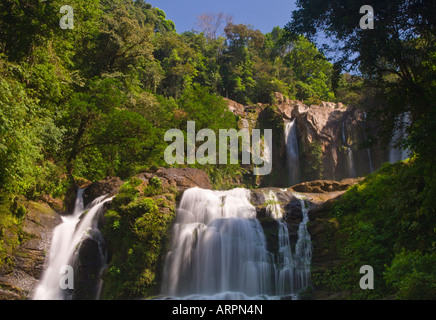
(90,260)
(108,186)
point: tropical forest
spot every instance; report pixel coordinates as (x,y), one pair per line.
(221,163)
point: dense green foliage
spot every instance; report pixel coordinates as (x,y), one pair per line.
(396,60)
(96,100)
(135,229)
(386,222)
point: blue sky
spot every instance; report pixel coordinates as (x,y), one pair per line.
(262,14)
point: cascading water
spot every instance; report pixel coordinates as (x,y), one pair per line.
(396,153)
(303,251)
(350,162)
(65,244)
(218,247)
(219,250)
(292,152)
(293,270)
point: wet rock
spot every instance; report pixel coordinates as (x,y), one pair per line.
(179,178)
(325,186)
(90,261)
(109,186)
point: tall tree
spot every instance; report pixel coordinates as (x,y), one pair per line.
(212,24)
(398,56)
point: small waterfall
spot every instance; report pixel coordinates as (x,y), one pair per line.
(371,168)
(350,159)
(350,163)
(344,141)
(396,153)
(285,270)
(66,241)
(292,152)
(303,251)
(293,270)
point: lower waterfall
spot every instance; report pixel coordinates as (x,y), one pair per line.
(65,245)
(219,250)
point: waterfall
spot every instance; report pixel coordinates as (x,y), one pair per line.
(371,168)
(66,241)
(218,247)
(350,162)
(350,159)
(292,152)
(396,153)
(303,251)
(219,250)
(293,270)
(285,263)
(344,141)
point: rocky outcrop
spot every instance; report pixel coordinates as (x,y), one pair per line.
(331,139)
(178,178)
(325,186)
(19,278)
(108,186)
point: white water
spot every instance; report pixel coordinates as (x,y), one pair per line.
(218,246)
(371,168)
(303,251)
(292,152)
(285,267)
(395,153)
(65,242)
(350,162)
(293,270)
(219,250)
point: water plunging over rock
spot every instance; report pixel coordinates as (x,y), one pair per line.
(292,152)
(77,233)
(219,249)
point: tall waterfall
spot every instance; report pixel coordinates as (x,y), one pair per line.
(350,162)
(350,159)
(219,250)
(64,247)
(396,153)
(292,152)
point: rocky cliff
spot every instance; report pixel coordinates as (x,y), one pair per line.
(331,139)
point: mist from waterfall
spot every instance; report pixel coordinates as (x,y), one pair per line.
(65,245)
(292,152)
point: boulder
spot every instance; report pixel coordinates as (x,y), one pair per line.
(109,186)
(325,186)
(179,178)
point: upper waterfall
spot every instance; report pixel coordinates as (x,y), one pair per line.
(292,152)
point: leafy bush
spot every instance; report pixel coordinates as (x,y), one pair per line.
(413,275)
